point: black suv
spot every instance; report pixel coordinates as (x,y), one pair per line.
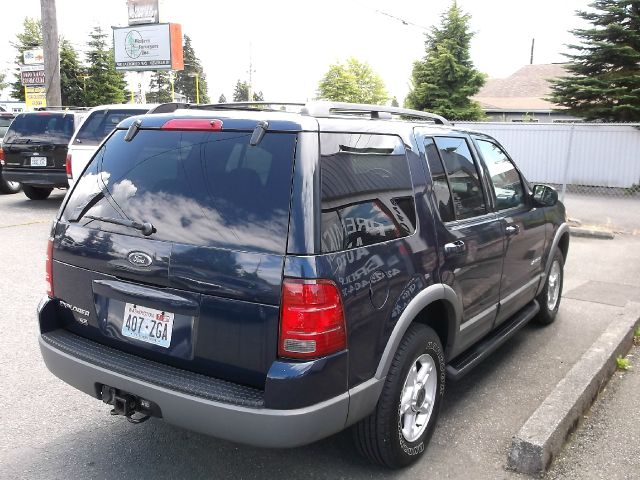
(272,278)
(35,150)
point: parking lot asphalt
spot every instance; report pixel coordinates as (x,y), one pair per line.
(50,430)
(617,213)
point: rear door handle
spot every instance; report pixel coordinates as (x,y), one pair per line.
(455,248)
(512,230)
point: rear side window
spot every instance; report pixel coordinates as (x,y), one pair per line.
(101,123)
(464,180)
(4,125)
(41,127)
(201,188)
(440,183)
(367,195)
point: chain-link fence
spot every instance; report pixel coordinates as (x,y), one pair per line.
(594,166)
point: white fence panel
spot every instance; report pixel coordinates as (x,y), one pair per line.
(602,155)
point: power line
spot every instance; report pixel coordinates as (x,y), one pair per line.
(394,17)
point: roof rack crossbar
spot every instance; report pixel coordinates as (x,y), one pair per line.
(326,109)
(321,109)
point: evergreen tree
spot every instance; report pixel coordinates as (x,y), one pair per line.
(241,93)
(445,79)
(394,102)
(159,87)
(354,82)
(185,79)
(605,68)
(222,98)
(30,37)
(71,76)
(104,84)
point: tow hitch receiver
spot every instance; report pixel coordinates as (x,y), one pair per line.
(126,404)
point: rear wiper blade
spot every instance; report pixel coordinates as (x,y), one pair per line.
(79,212)
(145,227)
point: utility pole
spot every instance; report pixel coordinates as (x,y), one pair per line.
(51,52)
(250,86)
(533,42)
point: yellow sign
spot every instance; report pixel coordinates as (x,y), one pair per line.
(35,97)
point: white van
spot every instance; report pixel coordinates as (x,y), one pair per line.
(99,123)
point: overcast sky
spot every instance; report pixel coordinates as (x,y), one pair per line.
(292,42)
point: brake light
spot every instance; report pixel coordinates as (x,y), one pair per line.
(1,156)
(67,166)
(311,319)
(49,267)
(193,124)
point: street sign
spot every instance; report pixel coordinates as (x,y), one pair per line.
(148,47)
(34,56)
(143,12)
(32,77)
(35,97)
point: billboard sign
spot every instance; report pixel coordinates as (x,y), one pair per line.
(32,77)
(143,12)
(35,97)
(33,57)
(148,47)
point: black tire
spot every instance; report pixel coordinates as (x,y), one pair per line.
(379,437)
(9,187)
(36,193)
(547,315)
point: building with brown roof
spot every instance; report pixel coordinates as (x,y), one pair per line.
(522,96)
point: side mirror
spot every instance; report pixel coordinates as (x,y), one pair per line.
(544,196)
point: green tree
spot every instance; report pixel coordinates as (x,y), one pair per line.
(30,37)
(185,79)
(445,79)
(241,93)
(159,87)
(3,83)
(104,84)
(71,75)
(604,80)
(222,98)
(394,102)
(353,82)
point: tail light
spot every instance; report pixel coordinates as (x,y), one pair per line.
(49,267)
(67,166)
(1,156)
(311,319)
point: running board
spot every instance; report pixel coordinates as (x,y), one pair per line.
(466,361)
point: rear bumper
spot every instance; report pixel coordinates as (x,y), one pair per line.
(38,178)
(200,403)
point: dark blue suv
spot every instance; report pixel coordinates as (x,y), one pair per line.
(272,278)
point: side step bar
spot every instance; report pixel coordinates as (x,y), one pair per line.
(464,363)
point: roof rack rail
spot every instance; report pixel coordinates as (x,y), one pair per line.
(324,109)
(61,107)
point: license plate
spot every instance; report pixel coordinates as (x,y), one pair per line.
(147,324)
(38,161)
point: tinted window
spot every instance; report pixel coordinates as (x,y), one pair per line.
(466,188)
(41,127)
(440,184)
(367,195)
(198,188)
(504,176)
(101,123)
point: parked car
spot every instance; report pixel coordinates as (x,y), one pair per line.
(6,186)
(99,123)
(35,150)
(272,278)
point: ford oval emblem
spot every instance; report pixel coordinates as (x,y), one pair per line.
(139,259)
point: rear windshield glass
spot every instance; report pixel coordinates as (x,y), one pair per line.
(101,123)
(41,127)
(201,188)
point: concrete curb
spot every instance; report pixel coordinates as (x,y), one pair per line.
(591,233)
(543,434)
